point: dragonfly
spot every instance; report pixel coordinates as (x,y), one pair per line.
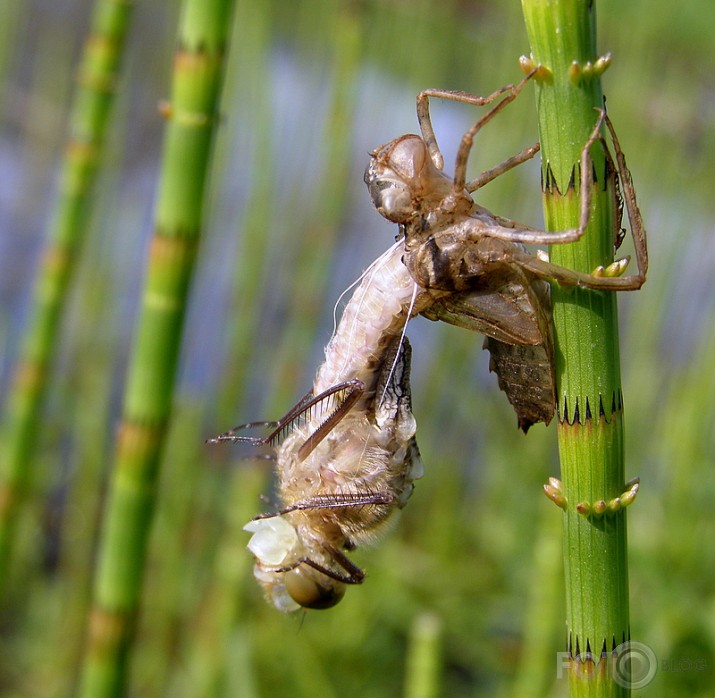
(346,455)
(489,281)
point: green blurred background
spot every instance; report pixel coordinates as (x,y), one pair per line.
(474,563)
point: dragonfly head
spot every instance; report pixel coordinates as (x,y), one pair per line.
(403,181)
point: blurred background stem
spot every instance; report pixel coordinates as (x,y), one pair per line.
(97,80)
(193,117)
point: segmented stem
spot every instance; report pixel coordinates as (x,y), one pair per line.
(563,39)
(91,110)
(192,121)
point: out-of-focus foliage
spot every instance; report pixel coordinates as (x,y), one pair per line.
(312,87)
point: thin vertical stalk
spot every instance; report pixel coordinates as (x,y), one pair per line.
(562,34)
(91,109)
(541,626)
(217,622)
(424,657)
(193,117)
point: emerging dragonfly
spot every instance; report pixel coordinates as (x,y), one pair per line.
(489,282)
(346,455)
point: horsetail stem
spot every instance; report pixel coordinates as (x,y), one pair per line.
(562,34)
(91,111)
(192,121)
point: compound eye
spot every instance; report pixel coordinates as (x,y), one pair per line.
(393,199)
(308,592)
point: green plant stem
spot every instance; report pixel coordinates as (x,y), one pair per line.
(542,619)
(193,117)
(424,661)
(91,110)
(562,34)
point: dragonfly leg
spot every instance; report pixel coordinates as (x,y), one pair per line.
(425,120)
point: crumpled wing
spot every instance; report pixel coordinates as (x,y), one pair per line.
(526,374)
(514,312)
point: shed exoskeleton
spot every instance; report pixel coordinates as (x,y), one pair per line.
(490,282)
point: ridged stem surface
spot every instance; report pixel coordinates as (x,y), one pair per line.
(91,110)
(192,119)
(562,34)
